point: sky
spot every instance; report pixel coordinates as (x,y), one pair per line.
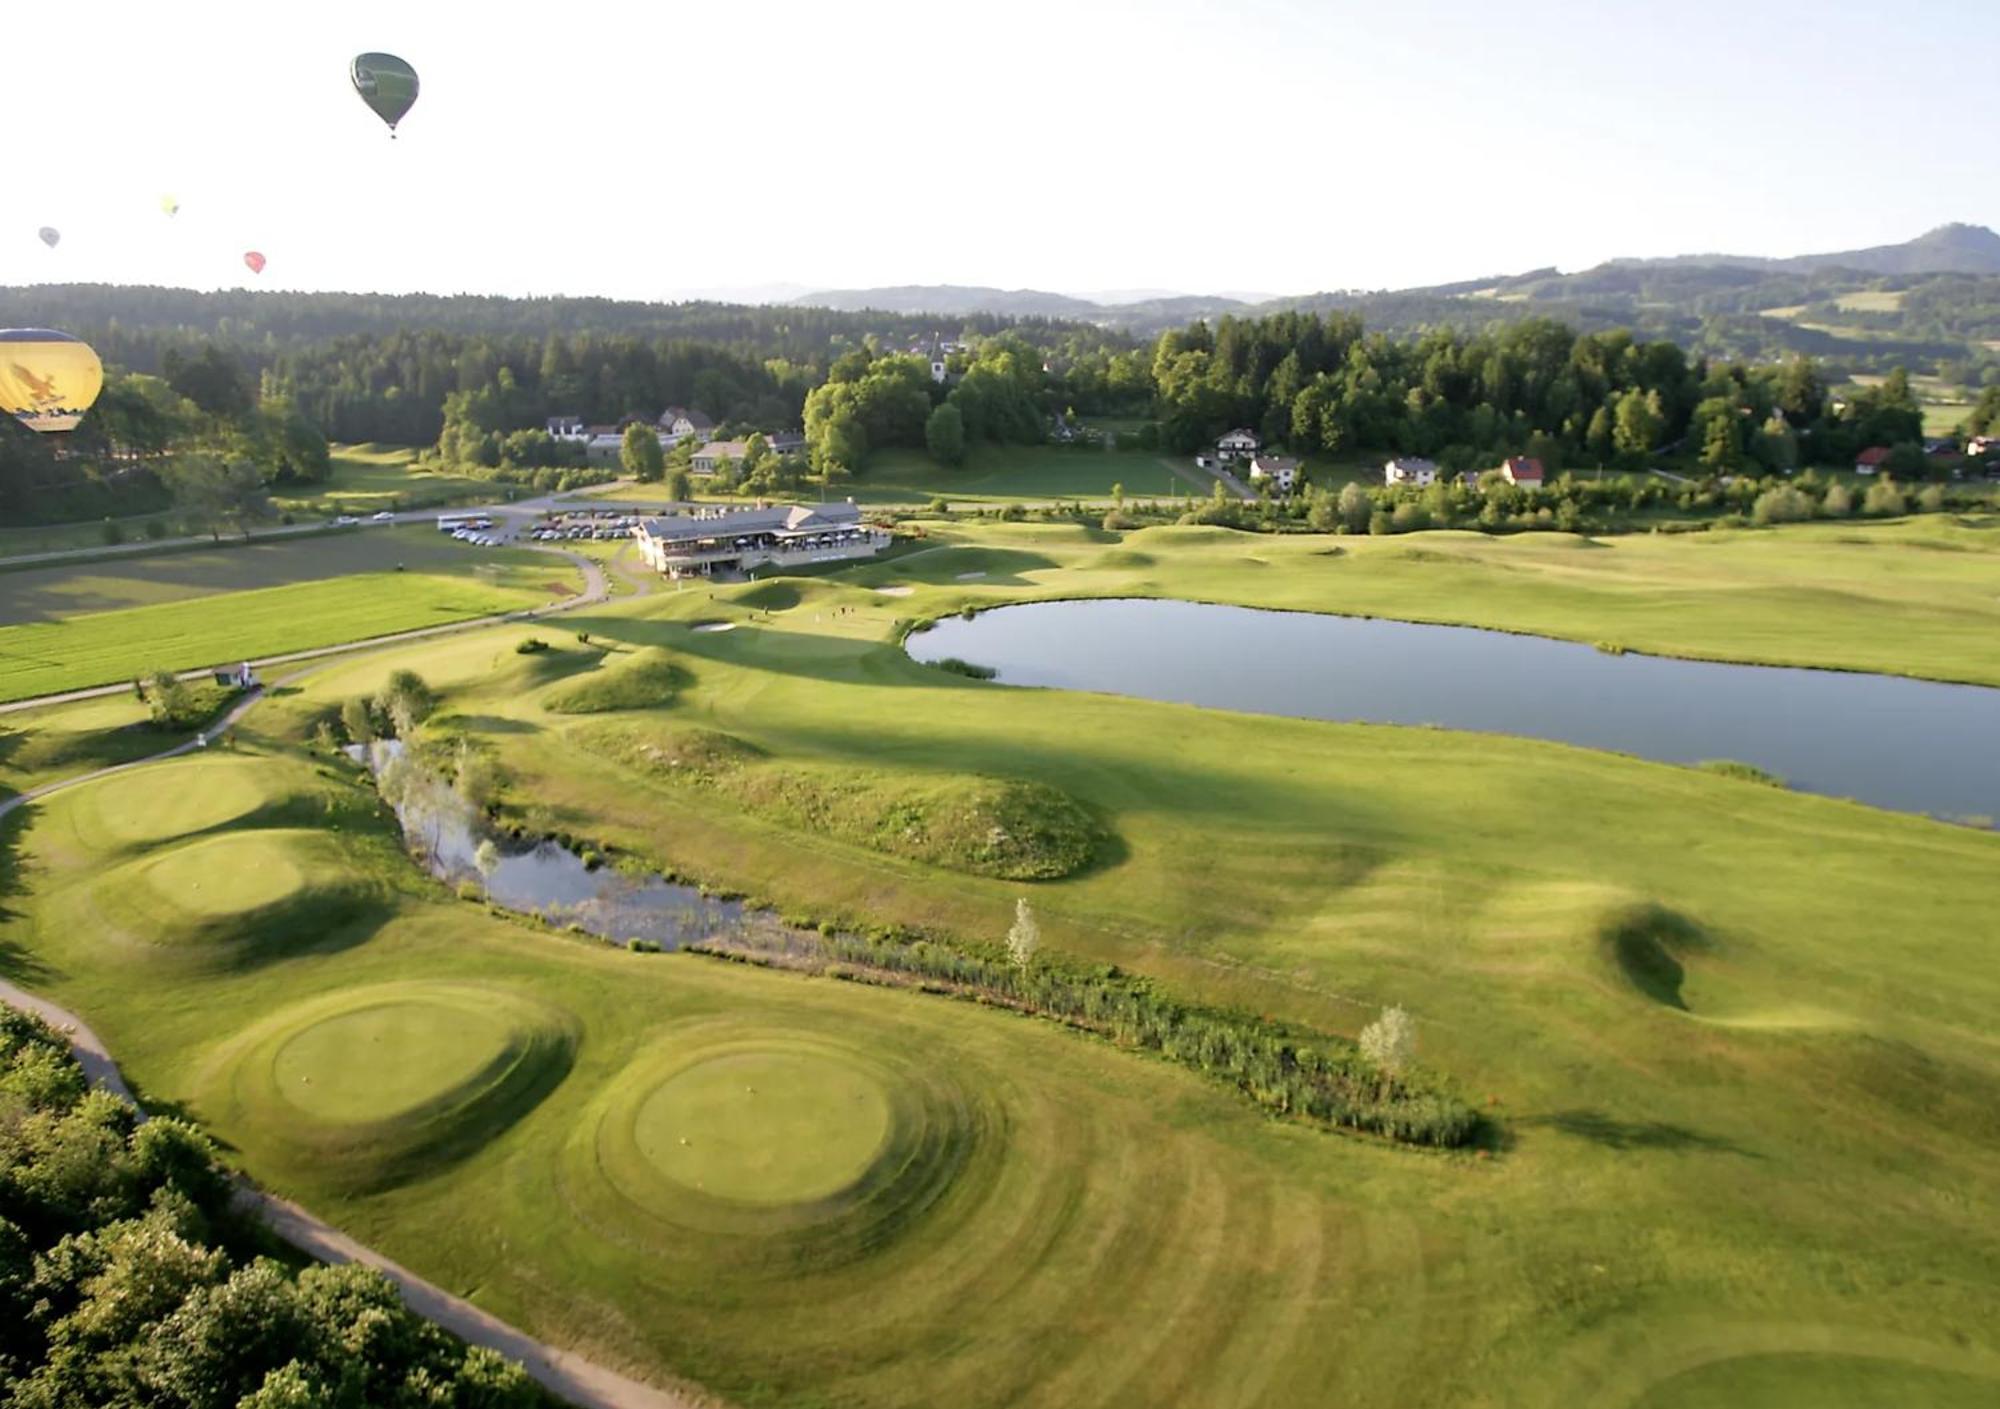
(1281,146)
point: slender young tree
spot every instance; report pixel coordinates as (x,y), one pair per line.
(1026,935)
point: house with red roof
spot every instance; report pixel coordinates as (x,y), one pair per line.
(1871,459)
(1523,471)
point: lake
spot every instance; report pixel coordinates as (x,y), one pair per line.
(1911,745)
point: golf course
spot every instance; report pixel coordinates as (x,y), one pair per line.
(1731,1045)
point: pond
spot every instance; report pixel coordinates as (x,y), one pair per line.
(1911,745)
(544,878)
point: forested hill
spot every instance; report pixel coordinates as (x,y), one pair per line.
(132,325)
(1931,303)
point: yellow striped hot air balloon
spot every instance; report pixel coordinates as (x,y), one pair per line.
(47,379)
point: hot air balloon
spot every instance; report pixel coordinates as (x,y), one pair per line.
(170,205)
(255,261)
(50,236)
(47,379)
(386,84)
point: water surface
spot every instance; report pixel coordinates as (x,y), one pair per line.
(1912,745)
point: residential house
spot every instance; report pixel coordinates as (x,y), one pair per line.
(602,442)
(1522,471)
(1871,459)
(1281,470)
(679,423)
(737,540)
(1237,444)
(717,453)
(1410,469)
(786,442)
(567,428)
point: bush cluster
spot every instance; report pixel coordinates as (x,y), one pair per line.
(118,1284)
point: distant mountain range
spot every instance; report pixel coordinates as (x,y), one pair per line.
(1926,301)
(1949,249)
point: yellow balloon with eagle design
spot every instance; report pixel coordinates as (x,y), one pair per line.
(47,379)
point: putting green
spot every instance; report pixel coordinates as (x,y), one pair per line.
(775,1127)
(381,1061)
(203,795)
(369,1086)
(228,875)
(769,1150)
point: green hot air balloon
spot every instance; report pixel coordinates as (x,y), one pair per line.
(386,84)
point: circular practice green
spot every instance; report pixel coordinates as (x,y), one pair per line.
(189,797)
(386,1059)
(765,1127)
(228,875)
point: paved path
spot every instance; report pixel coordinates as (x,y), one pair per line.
(595,589)
(580,1381)
(1206,479)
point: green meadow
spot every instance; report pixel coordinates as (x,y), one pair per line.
(1734,1044)
(369,477)
(93,624)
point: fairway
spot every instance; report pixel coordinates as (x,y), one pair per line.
(45,656)
(58,593)
(1734,1042)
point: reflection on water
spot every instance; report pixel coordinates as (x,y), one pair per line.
(543,878)
(1913,745)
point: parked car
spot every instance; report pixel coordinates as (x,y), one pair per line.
(345,520)
(384,517)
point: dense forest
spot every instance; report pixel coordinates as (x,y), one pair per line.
(127,1278)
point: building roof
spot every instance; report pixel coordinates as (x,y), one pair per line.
(1522,469)
(1271,464)
(774,518)
(695,419)
(1411,464)
(1873,455)
(1241,433)
(724,449)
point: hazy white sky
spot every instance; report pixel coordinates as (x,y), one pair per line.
(641,150)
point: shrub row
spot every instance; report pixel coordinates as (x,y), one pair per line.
(1324,1079)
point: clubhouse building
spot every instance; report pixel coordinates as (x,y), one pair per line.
(703,544)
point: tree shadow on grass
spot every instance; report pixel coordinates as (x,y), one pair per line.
(1631,1135)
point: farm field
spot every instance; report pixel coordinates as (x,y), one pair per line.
(1735,1041)
(69,628)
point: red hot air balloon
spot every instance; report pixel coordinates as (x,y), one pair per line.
(255,261)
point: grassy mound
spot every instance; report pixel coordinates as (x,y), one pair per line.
(1647,944)
(1007,828)
(374,1086)
(768,1150)
(1808,1380)
(994,565)
(653,679)
(780,594)
(1119,558)
(212,793)
(229,900)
